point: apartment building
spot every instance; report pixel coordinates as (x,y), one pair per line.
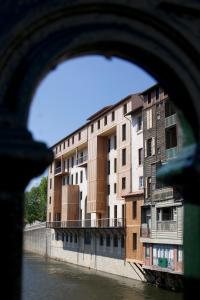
(162,212)
(106,209)
(90,183)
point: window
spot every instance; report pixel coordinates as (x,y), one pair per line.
(92,128)
(87,238)
(56,150)
(98,124)
(125,108)
(73,140)
(108,167)
(115,240)
(49,217)
(108,241)
(123,183)
(76,178)
(115,142)
(108,145)
(171,137)
(123,132)
(124,157)
(122,241)
(149,118)
(79,136)
(81,177)
(147,250)
(51,168)
(60,147)
(68,164)
(101,240)
(75,238)
(134,241)
(159,185)
(50,183)
(169,109)
(149,147)
(81,195)
(113,115)
(68,143)
(149,98)
(72,161)
(67,179)
(72,179)
(115,165)
(134,209)
(141,183)
(50,200)
(139,123)
(64,145)
(108,189)
(148,187)
(140,156)
(63,237)
(180,253)
(71,237)
(157,93)
(105,120)
(67,237)
(115,188)
(168,213)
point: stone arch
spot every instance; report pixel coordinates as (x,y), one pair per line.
(158,35)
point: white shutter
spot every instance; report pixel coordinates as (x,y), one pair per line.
(147,119)
(153,150)
(150,118)
(145,187)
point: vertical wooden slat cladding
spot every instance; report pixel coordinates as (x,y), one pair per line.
(57,196)
(70,202)
(97,152)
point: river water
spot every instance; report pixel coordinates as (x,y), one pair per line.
(46,279)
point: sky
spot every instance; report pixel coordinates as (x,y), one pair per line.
(78,88)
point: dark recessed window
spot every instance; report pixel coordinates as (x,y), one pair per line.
(134,209)
(140,156)
(124,157)
(105,120)
(76,178)
(81,177)
(68,142)
(107,241)
(123,132)
(98,124)
(157,93)
(75,238)
(79,136)
(149,98)
(73,140)
(115,165)
(108,145)
(134,241)
(139,123)
(125,108)
(50,200)
(50,183)
(92,128)
(81,195)
(123,183)
(71,237)
(113,115)
(115,240)
(122,241)
(101,240)
(115,142)
(108,167)
(60,147)
(72,161)
(64,145)
(115,188)
(108,189)
(149,147)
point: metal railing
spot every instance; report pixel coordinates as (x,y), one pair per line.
(82,159)
(171,153)
(170,121)
(57,170)
(145,230)
(167,226)
(87,223)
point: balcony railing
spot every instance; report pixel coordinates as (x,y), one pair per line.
(145,230)
(58,170)
(81,160)
(170,121)
(171,153)
(167,226)
(87,223)
(162,194)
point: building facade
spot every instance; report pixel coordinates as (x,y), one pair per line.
(162,212)
(106,209)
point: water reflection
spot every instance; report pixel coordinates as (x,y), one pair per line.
(45,279)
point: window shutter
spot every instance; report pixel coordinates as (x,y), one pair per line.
(146,187)
(150,118)
(153,146)
(147,119)
(145,148)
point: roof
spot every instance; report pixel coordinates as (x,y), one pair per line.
(137,104)
(150,88)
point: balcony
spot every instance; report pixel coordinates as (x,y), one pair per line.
(170,121)
(88,223)
(171,153)
(170,226)
(145,231)
(162,194)
(82,161)
(57,170)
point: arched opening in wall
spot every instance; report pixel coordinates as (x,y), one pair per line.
(111,127)
(138,31)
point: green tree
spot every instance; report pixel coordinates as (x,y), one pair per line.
(36,202)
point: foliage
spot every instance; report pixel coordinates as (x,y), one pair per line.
(36,202)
